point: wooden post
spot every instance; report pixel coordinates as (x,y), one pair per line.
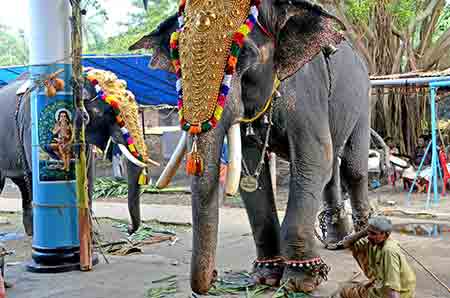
(84,218)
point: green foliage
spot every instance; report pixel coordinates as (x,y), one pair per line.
(443,22)
(93,25)
(106,187)
(359,10)
(403,11)
(13,48)
(139,23)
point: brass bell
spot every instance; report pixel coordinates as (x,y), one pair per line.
(329,50)
(249,131)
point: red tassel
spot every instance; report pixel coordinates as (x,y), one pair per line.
(194,161)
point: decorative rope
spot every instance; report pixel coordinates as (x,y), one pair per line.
(304,263)
(275,262)
(276,84)
(230,68)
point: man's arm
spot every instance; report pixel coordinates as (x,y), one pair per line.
(349,240)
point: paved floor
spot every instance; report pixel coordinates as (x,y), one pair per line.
(131,276)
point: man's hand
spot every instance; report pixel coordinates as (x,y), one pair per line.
(392,294)
(352,238)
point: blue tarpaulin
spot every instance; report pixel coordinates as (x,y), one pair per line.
(150,87)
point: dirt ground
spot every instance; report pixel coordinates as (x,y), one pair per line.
(132,275)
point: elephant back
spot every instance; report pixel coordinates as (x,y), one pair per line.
(13,106)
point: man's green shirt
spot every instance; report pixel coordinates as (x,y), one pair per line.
(389,267)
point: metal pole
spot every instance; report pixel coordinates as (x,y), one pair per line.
(409,81)
(408,198)
(434,157)
(55,246)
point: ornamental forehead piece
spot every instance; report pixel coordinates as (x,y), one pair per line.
(204,49)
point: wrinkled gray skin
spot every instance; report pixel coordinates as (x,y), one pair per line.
(320,125)
(101,126)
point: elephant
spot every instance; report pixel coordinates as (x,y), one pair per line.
(15,154)
(318,121)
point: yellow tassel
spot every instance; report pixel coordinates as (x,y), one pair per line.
(143,179)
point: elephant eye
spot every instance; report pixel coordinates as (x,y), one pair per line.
(248,56)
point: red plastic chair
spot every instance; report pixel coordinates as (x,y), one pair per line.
(446,174)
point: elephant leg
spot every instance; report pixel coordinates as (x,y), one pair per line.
(27,216)
(355,173)
(134,197)
(335,217)
(262,214)
(2,182)
(311,168)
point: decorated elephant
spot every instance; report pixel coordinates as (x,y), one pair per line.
(274,76)
(15,131)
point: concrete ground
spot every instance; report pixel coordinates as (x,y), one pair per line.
(131,276)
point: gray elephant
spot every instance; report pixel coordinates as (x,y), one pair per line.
(15,153)
(319,122)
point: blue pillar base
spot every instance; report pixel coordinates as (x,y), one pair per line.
(56,260)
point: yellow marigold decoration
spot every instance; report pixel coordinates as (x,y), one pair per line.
(129,110)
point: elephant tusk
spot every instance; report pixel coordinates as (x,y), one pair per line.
(174,162)
(130,156)
(153,162)
(235,160)
(273,173)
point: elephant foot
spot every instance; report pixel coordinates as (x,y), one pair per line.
(131,229)
(304,276)
(27,220)
(337,224)
(361,219)
(268,272)
(337,231)
(202,283)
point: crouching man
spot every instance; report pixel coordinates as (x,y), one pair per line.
(380,258)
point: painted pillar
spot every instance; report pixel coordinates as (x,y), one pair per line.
(55,233)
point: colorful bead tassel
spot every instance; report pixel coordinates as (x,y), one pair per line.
(194,161)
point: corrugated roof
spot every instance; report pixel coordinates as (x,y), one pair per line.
(418,74)
(150,87)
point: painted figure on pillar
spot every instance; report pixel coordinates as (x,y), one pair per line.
(63,133)
(55,137)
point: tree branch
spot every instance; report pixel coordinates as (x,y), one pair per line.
(429,26)
(434,54)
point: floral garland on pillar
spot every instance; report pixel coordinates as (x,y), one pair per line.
(194,164)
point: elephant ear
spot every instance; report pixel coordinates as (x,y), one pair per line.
(158,40)
(304,30)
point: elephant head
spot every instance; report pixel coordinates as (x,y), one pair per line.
(286,36)
(103,124)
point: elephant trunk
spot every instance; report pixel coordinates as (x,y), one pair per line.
(205,212)
(134,197)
